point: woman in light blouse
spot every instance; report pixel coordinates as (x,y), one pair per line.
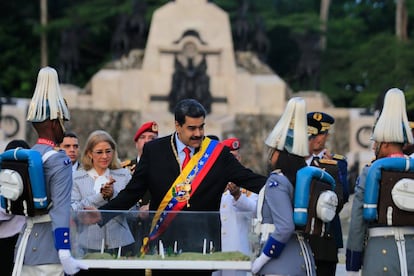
(100,179)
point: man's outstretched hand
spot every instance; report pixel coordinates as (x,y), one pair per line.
(92,215)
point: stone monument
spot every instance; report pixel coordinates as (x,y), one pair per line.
(189,53)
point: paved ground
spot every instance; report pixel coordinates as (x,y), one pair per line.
(345,218)
(340,270)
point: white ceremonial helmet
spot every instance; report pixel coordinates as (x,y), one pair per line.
(47,102)
(290,132)
(392,124)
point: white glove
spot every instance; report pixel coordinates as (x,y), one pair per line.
(259,262)
(70,265)
(352,273)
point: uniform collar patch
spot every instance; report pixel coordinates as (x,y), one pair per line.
(273,184)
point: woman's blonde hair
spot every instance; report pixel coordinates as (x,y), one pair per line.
(95,138)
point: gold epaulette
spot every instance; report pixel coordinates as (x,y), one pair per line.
(338,157)
(328,161)
(372,161)
(126,163)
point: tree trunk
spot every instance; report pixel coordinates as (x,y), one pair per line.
(323,15)
(401,20)
(43,37)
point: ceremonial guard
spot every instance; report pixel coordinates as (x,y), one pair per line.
(285,250)
(44,245)
(381,231)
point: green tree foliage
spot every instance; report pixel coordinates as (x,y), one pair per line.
(362,58)
(93,21)
(19,36)
(375,66)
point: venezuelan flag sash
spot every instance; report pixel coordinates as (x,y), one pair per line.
(183,187)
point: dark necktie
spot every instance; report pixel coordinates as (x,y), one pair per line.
(315,161)
(187,157)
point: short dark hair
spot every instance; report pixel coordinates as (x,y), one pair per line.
(70,134)
(14,144)
(190,108)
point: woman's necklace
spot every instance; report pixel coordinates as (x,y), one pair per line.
(175,151)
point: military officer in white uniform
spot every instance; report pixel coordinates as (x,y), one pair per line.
(237,209)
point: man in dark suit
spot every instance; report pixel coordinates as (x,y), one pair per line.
(161,167)
(148,131)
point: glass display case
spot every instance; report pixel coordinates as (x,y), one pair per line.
(167,240)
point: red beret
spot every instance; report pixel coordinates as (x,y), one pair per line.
(232,143)
(148,126)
